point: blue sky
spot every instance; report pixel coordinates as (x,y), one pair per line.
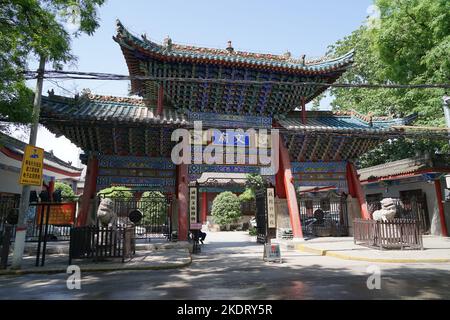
(302,27)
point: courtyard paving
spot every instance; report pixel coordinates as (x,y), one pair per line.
(230,266)
(435,250)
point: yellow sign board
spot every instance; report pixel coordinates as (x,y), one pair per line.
(32,166)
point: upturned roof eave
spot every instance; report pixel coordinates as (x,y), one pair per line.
(130,42)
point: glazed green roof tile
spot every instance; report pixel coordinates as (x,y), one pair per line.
(326,64)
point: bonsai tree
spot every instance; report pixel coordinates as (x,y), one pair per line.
(154,208)
(247,195)
(226,208)
(254,182)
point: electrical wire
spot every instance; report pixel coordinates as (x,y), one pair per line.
(78,75)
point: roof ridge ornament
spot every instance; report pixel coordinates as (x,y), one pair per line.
(168,43)
(287,55)
(230,48)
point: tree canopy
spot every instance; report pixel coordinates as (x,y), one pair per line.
(226,208)
(408,44)
(37,27)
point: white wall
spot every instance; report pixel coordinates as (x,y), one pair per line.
(9,182)
(427,188)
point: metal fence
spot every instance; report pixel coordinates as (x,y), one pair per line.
(397,233)
(323,215)
(8,212)
(99,243)
(149,215)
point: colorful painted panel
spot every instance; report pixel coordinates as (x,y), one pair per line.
(318,167)
(149,173)
(108,161)
(213,120)
(320,174)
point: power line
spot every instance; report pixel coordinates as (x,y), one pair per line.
(78,75)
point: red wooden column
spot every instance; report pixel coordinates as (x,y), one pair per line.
(204,206)
(183,197)
(437,185)
(289,188)
(89,191)
(356,190)
(279,182)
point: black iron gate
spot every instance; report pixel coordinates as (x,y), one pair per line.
(261,216)
(148,212)
(323,214)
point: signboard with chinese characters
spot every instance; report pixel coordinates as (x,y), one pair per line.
(31,173)
(271,208)
(59,215)
(193,205)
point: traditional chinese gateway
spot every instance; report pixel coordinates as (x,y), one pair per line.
(127,141)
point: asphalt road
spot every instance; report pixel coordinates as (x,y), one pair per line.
(231,267)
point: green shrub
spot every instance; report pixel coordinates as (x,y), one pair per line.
(226,208)
(66,190)
(252,231)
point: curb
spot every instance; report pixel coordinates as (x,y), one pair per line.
(90,269)
(322,252)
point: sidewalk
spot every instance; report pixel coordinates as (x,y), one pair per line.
(436,250)
(143,260)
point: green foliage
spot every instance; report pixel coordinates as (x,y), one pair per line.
(254,182)
(397,149)
(66,190)
(409,45)
(116,192)
(226,208)
(252,231)
(247,195)
(36,27)
(154,207)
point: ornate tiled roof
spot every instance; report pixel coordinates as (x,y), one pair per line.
(229,55)
(115,125)
(91,107)
(408,166)
(99,108)
(224,80)
(18,147)
(342,121)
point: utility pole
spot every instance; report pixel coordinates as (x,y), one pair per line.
(21,229)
